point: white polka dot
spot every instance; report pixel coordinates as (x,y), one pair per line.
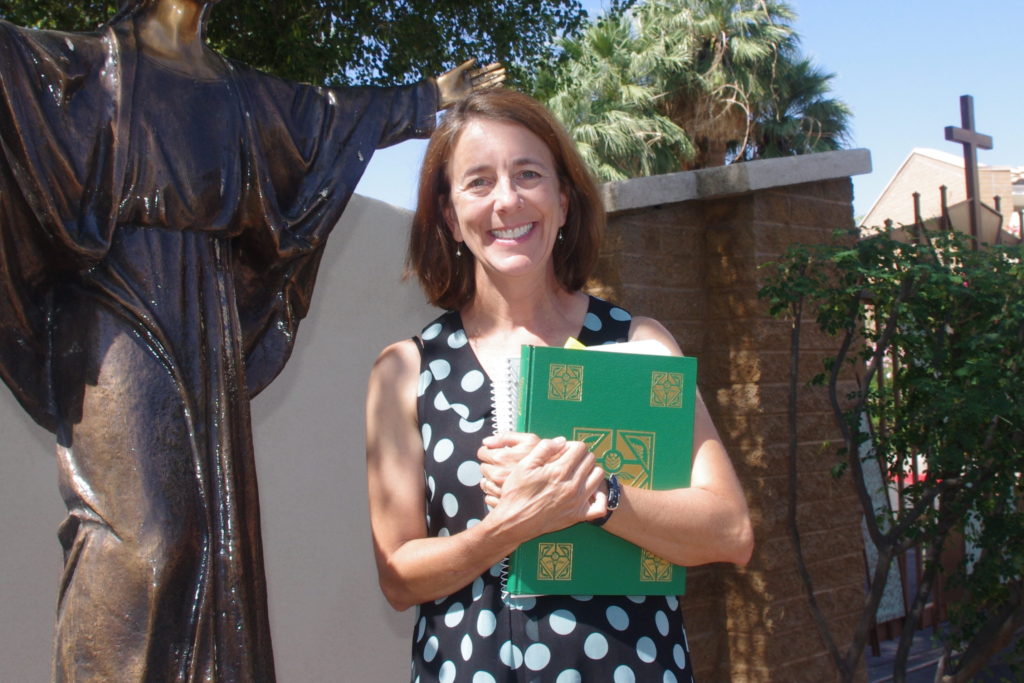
(425,379)
(460,409)
(478,588)
(457,339)
(473,380)
(669,677)
(453,617)
(440,368)
(510,655)
(469,473)
(450,504)
(466,648)
(661,621)
(679,655)
(496,569)
(617,617)
(443,450)
(583,598)
(569,676)
(563,622)
(441,401)
(595,646)
(430,486)
(447,672)
(431,332)
(623,674)
(537,656)
(646,650)
(672,602)
(430,649)
(592,322)
(486,622)
(443,532)
(421,629)
(470,523)
(638,599)
(471,427)
(483,677)
(617,313)
(426,431)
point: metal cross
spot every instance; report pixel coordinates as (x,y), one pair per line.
(972,140)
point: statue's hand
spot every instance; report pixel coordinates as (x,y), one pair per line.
(453,85)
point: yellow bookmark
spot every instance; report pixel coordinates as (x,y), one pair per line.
(573,343)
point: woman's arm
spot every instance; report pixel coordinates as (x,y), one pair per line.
(552,487)
(705,522)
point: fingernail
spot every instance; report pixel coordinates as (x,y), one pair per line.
(558,440)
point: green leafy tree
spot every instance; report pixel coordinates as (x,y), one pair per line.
(677,84)
(343,41)
(945,325)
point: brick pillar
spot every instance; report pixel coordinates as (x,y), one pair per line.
(693,265)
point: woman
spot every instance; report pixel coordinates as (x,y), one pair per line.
(162,215)
(505,235)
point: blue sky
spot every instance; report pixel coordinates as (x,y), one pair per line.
(901,66)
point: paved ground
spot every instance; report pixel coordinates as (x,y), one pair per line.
(924,657)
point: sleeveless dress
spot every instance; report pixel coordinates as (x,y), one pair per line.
(479,635)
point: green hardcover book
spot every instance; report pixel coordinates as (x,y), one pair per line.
(636,413)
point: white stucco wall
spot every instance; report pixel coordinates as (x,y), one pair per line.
(328,618)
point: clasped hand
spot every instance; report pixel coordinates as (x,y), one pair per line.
(542,484)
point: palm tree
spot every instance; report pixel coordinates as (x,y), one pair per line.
(799,116)
(607,92)
(735,44)
(679,84)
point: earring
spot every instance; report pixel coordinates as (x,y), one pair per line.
(561,237)
(458,250)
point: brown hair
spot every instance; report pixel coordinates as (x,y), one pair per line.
(448,280)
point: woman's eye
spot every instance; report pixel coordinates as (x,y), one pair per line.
(529,178)
(477,183)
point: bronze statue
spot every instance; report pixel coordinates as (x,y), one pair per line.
(163,211)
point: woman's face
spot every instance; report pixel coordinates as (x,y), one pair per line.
(505,204)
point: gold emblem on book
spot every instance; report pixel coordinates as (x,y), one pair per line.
(653,568)
(554,561)
(565,382)
(627,453)
(666,389)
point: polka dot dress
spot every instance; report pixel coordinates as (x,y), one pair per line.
(478,636)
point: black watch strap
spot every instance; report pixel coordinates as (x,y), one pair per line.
(614,493)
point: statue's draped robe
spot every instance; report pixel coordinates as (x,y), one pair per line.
(159,241)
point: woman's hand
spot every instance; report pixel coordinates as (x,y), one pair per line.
(554,484)
(498,454)
(453,85)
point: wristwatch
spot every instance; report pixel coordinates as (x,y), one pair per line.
(614,492)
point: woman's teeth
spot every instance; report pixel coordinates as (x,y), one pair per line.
(512,233)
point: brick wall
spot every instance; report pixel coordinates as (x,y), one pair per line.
(693,265)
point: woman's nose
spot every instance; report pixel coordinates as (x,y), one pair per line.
(506,195)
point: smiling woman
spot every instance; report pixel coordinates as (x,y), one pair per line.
(506,234)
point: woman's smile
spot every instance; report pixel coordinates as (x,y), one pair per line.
(513,233)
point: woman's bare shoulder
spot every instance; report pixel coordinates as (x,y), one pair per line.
(642,328)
